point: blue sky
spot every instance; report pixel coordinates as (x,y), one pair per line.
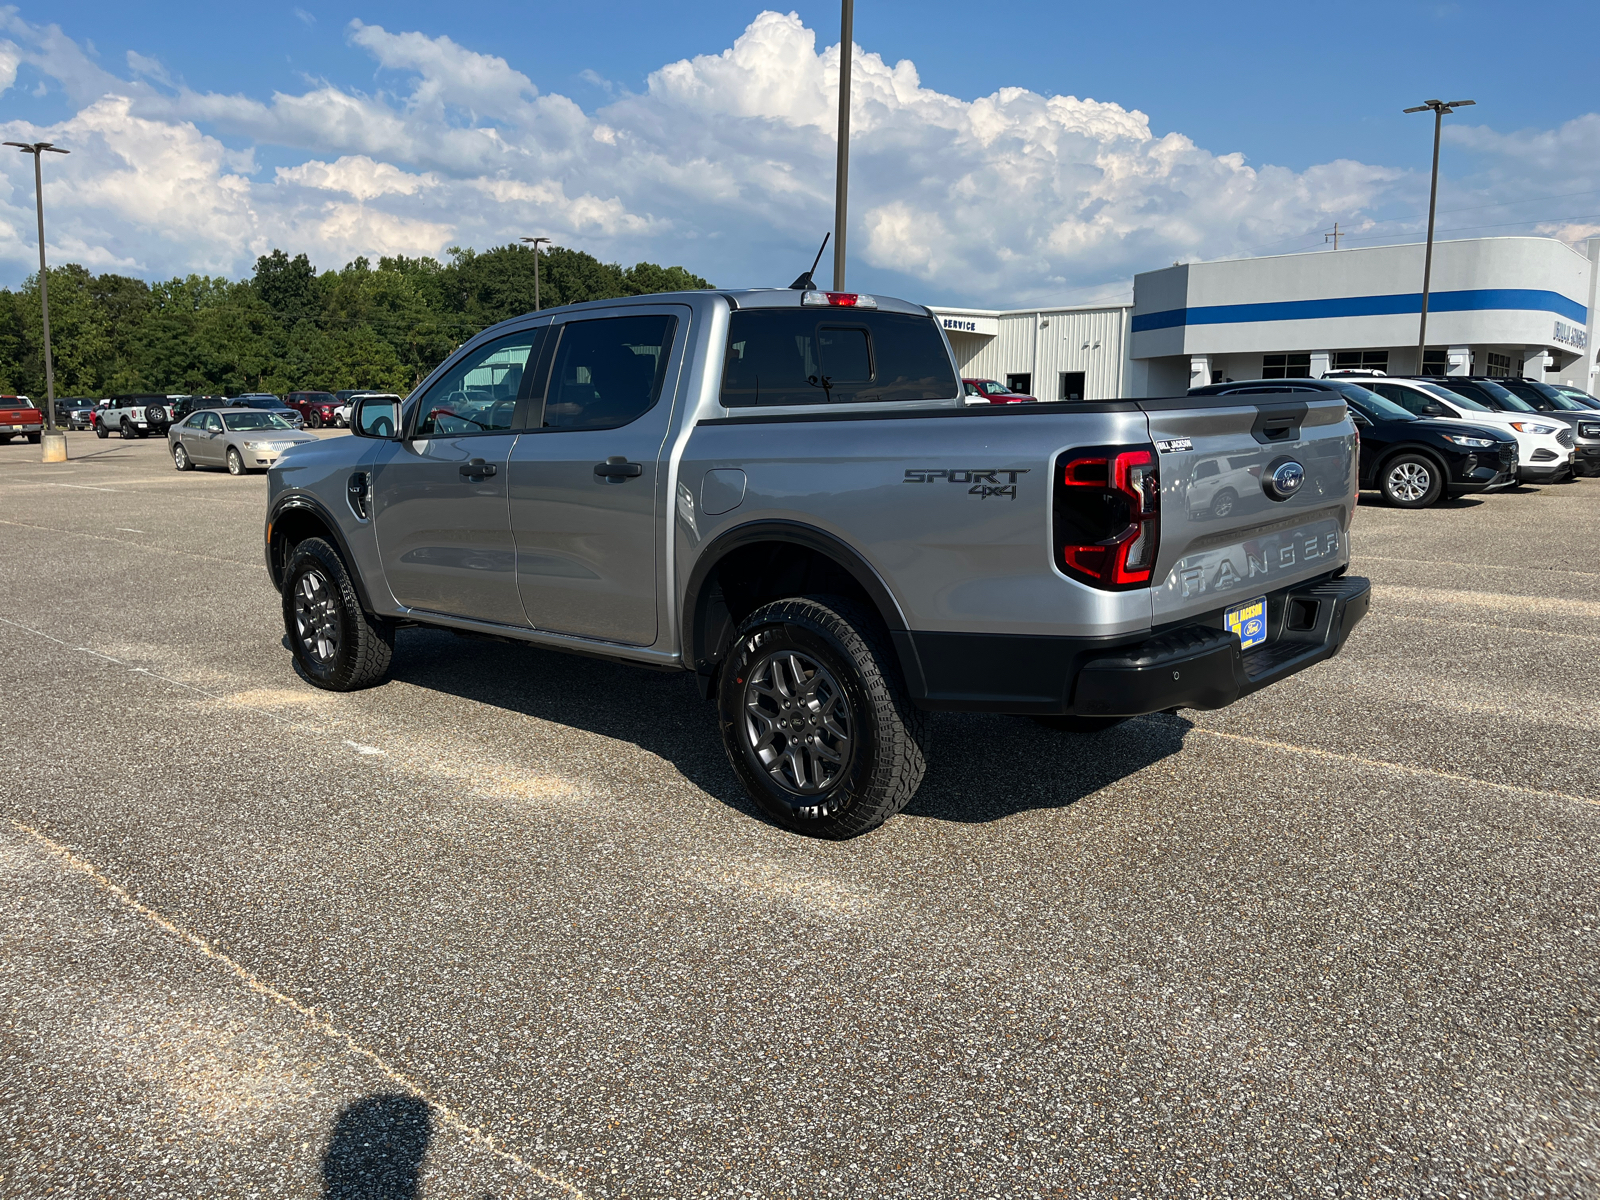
(344,129)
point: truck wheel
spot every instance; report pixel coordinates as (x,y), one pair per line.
(100,431)
(127,430)
(336,644)
(1411,481)
(314,421)
(33,438)
(181,459)
(815,718)
(235,462)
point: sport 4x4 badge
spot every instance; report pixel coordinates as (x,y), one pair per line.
(984,483)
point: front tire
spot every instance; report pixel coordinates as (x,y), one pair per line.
(100,431)
(181,459)
(1411,481)
(337,645)
(815,719)
(235,462)
(314,421)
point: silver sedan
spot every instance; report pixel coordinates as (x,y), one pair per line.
(240,439)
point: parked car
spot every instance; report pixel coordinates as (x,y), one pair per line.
(1411,461)
(315,408)
(20,417)
(1551,401)
(241,440)
(182,406)
(1572,393)
(75,412)
(1541,457)
(135,415)
(1493,392)
(833,557)
(266,402)
(980,391)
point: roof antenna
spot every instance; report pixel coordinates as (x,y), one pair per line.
(805,283)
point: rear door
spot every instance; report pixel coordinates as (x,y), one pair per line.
(439,496)
(586,483)
(1226,535)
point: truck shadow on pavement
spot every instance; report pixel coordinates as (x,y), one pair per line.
(981,767)
(377,1149)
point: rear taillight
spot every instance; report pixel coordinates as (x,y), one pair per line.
(1108,516)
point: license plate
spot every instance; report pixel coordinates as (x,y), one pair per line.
(1249,621)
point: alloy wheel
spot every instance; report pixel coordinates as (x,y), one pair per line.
(316,617)
(1409,481)
(797,722)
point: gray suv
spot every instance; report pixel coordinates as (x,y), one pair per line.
(784,493)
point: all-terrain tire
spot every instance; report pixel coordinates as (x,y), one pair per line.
(100,430)
(127,430)
(841,674)
(337,645)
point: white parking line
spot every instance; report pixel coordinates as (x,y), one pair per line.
(319,1021)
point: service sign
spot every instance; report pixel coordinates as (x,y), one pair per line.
(983,326)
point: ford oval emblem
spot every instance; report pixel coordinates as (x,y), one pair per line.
(1283,479)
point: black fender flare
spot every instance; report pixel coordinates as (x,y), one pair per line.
(697,653)
(309,503)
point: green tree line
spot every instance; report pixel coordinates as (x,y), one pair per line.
(288,327)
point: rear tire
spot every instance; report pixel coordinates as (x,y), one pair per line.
(127,430)
(337,645)
(33,438)
(815,718)
(1411,481)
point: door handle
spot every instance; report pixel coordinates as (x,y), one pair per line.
(478,469)
(619,468)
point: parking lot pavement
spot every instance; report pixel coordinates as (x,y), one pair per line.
(508,924)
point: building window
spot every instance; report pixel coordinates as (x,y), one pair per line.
(1020,383)
(1361,360)
(1436,362)
(1072,385)
(1286,366)
(1499,364)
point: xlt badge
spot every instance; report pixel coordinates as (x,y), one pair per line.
(983,482)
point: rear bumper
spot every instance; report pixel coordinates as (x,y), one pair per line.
(1192,666)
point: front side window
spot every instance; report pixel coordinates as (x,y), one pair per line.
(608,372)
(212,422)
(479,393)
(802,356)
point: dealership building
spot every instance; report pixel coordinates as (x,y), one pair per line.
(1497,306)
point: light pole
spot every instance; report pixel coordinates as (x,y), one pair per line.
(38,150)
(841,183)
(1439,108)
(536,241)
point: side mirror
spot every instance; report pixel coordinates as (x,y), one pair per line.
(377,417)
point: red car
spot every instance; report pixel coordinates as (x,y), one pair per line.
(18,415)
(994,392)
(318,408)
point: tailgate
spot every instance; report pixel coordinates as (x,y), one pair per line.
(1224,538)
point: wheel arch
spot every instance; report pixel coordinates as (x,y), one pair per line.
(1427,452)
(745,567)
(293,519)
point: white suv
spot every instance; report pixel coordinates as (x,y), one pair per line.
(1541,457)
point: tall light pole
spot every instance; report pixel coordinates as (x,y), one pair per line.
(841,184)
(1439,109)
(536,242)
(38,150)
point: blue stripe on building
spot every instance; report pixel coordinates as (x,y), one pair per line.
(1474,300)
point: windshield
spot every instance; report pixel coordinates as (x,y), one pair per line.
(995,389)
(1456,398)
(1369,402)
(254,420)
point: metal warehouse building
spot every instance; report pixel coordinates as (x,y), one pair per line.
(1497,306)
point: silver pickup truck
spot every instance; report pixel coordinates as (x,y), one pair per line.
(785,493)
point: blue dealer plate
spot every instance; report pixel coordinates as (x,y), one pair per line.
(1249,621)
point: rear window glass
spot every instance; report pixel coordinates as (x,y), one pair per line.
(16,402)
(807,356)
(608,372)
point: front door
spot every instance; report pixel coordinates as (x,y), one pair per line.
(444,529)
(207,445)
(585,484)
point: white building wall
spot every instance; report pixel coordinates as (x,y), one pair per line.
(1043,343)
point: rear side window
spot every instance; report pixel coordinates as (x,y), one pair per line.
(608,372)
(800,356)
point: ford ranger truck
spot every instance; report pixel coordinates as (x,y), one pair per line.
(784,493)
